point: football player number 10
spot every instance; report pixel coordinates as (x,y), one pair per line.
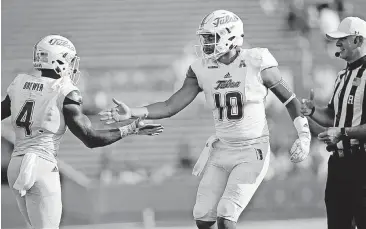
(24,118)
(233,107)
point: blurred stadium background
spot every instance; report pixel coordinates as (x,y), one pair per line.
(138,51)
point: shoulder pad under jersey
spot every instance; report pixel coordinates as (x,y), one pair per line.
(14,83)
(261,58)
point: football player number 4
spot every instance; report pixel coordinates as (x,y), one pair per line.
(233,107)
(24,118)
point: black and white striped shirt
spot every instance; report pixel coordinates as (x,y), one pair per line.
(349,99)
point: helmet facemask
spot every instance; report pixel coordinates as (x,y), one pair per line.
(70,67)
(208,44)
(75,72)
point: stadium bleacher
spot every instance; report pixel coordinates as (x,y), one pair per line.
(125,34)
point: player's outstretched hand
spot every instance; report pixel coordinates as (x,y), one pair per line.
(149,129)
(116,114)
(307,105)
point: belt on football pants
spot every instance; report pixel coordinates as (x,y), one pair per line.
(354,150)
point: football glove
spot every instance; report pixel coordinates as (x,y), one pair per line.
(301,147)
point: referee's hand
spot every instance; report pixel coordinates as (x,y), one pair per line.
(331,136)
(307,105)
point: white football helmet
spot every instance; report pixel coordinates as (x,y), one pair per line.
(227,30)
(59,54)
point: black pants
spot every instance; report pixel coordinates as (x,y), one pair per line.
(345,193)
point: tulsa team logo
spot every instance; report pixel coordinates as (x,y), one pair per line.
(60,42)
(224,20)
(227,83)
(222,84)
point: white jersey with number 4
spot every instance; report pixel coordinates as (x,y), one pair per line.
(36,114)
(236,95)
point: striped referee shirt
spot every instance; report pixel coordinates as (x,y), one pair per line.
(349,99)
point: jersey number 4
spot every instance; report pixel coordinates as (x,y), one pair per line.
(233,106)
(24,118)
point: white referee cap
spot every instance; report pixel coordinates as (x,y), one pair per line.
(348,27)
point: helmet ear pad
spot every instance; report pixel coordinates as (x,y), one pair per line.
(239,41)
(229,40)
(57,65)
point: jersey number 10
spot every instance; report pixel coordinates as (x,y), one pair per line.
(233,106)
(24,118)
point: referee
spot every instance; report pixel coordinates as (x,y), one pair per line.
(342,126)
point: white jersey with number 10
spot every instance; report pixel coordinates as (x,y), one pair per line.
(236,95)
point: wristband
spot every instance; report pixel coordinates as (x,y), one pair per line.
(129,129)
(301,124)
(289,99)
(141,112)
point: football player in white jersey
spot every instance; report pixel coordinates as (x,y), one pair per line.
(235,82)
(41,108)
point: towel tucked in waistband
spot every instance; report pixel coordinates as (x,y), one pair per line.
(27,173)
(204,156)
